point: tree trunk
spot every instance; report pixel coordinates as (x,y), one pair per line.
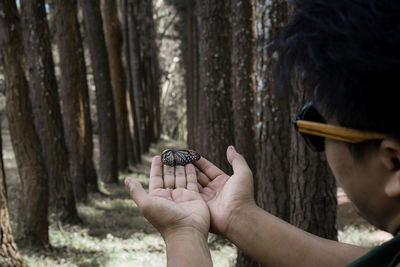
(137,76)
(215,84)
(75,98)
(273,124)
(151,65)
(33,202)
(243,91)
(112,27)
(104,96)
(46,108)
(190,53)
(313,188)
(9,255)
(132,132)
(133,137)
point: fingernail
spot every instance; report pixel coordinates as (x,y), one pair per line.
(233,148)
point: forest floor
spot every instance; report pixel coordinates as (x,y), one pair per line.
(114,233)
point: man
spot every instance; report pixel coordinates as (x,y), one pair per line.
(347,52)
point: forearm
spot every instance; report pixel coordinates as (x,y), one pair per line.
(188,248)
(273,242)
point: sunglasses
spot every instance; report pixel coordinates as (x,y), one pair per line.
(313,127)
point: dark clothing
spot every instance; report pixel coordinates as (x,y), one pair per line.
(387,254)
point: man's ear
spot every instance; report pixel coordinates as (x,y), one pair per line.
(390,156)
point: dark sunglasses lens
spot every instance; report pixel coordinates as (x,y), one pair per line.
(316,143)
(309,113)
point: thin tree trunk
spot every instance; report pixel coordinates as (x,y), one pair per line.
(112,27)
(215,75)
(191,55)
(46,108)
(132,137)
(104,96)
(75,98)
(189,51)
(137,76)
(134,155)
(152,69)
(243,91)
(33,201)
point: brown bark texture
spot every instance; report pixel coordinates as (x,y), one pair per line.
(312,186)
(134,151)
(104,96)
(33,202)
(113,35)
(9,255)
(243,91)
(273,122)
(75,98)
(151,67)
(46,108)
(216,132)
(137,77)
(243,79)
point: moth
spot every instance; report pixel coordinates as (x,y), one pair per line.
(173,157)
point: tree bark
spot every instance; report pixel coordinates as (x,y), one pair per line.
(215,84)
(104,96)
(137,76)
(243,91)
(151,66)
(75,99)
(33,202)
(9,255)
(133,130)
(112,28)
(312,187)
(273,124)
(46,108)
(190,53)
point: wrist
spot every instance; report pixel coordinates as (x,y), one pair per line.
(187,247)
(183,234)
(240,219)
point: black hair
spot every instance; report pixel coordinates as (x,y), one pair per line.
(347,53)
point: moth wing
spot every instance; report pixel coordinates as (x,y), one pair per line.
(183,157)
(168,158)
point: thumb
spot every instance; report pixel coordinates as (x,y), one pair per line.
(137,192)
(236,160)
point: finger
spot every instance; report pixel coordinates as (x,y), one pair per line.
(238,163)
(199,187)
(180,177)
(136,191)
(208,168)
(202,178)
(191,178)
(169,176)
(156,180)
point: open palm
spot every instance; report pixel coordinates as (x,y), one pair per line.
(174,201)
(225,194)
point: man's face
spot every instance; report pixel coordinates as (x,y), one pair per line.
(364,182)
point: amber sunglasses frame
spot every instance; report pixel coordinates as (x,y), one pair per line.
(322,129)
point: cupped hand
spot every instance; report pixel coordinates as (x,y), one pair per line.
(225,195)
(173,203)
